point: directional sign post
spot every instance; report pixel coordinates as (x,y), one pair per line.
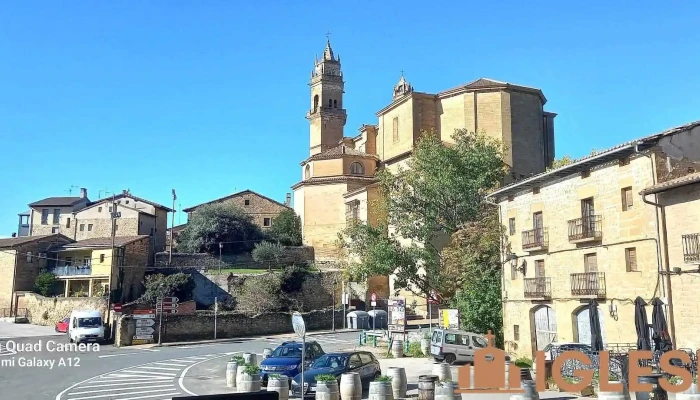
(300,329)
(165,305)
(143,323)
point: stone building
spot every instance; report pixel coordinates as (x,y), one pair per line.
(55,214)
(583,232)
(261,208)
(21,259)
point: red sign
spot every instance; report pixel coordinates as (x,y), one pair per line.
(117,307)
(433,298)
(165,300)
(374,296)
(168,311)
(137,312)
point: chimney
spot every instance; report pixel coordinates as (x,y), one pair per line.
(83,193)
(288,200)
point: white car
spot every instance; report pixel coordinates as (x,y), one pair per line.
(86,326)
(554,348)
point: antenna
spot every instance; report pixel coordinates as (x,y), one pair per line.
(70,189)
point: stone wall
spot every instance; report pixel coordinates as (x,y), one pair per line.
(49,310)
(291,255)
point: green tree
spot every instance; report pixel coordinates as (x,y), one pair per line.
(440,191)
(218,223)
(560,162)
(180,285)
(44,283)
(286,228)
(268,253)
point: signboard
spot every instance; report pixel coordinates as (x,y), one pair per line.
(397,315)
(433,298)
(168,311)
(298,324)
(145,316)
(144,331)
(346,298)
(373,298)
(117,307)
(450,319)
(140,323)
(143,337)
(170,300)
(140,341)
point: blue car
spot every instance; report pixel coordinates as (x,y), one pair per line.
(286,359)
(362,362)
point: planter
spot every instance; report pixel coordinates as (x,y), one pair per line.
(239,373)
(350,386)
(425,346)
(249,383)
(279,384)
(327,390)
(691,393)
(442,371)
(231,372)
(398,382)
(529,390)
(397,348)
(266,353)
(426,387)
(250,358)
(380,391)
(445,391)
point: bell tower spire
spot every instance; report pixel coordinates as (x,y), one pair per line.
(327,116)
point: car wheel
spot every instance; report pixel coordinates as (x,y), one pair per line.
(450,358)
(55,328)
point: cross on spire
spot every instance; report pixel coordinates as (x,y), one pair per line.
(401,72)
(328,36)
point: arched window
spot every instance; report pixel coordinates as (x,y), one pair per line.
(330,103)
(307,172)
(356,169)
(315,103)
(335,103)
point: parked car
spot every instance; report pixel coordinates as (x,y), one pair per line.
(453,345)
(62,325)
(286,359)
(86,326)
(362,362)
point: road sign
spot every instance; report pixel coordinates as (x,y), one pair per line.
(140,323)
(374,299)
(168,311)
(144,331)
(145,316)
(298,324)
(117,307)
(141,341)
(143,337)
(166,306)
(169,300)
(434,298)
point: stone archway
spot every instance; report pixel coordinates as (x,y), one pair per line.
(582,325)
(543,321)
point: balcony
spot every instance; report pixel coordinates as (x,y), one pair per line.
(72,270)
(691,248)
(586,229)
(588,284)
(538,288)
(535,239)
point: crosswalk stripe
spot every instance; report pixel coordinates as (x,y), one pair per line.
(109,390)
(147,397)
(140,382)
(151,373)
(159,368)
(128,394)
(170,364)
(129,378)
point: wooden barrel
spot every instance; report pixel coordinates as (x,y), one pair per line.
(398,382)
(239,373)
(442,371)
(445,391)
(529,392)
(327,390)
(350,386)
(279,384)
(425,346)
(380,390)
(250,358)
(266,353)
(231,372)
(692,393)
(397,348)
(249,383)
(426,387)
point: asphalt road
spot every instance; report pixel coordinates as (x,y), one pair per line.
(35,368)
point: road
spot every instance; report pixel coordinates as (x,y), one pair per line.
(34,368)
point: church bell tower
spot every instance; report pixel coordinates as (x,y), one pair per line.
(327,116)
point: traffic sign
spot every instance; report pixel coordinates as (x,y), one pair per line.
(434,298)
(140,323)
(166,300)
(298,324)
(166,306)
(143,337)
(168,311)
(374,299)
(144,331)
(145,316)
(117,307)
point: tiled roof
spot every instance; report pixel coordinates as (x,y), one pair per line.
(486,83)
(597,158)
(122,195)
(102,242)
(333,179)
(672,184)
(338,151)
(10,242)
(248,191)
(56,201)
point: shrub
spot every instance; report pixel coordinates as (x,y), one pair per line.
(157,286)
(523,362)
(261,295)
(286,228)
(325,378)
(44,283)
(414,350)
(238,359)
(251,369)
(383,378)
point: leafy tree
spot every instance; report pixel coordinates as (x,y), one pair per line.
(286,228)
(560,162)
(180,285)
(440,192)
(268,253)
(44,283)
(218,223)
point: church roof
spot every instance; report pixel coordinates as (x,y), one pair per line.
(334,179)
(337,152)
(487,83)
(328,52)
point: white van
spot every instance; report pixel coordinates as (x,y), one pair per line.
(86,326)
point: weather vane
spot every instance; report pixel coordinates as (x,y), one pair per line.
(328,36)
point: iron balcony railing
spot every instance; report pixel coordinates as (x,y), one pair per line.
(590,227)
(535,238)
(538,288)
(691,248)
(72,270)
(588,284)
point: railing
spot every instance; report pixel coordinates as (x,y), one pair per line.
(588,284)
(538,287)
(72,270)
(9,312)
(535,238)
(586,228)
(691,248)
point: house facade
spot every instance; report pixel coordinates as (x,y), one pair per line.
(55,214)
(585,232)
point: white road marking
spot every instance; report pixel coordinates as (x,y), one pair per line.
(159,368)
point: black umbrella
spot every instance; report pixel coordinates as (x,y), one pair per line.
(594,319)
(662,340)
(642,325)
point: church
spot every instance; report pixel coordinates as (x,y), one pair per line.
(337,179)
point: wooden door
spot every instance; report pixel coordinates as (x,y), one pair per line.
(587,216)
(545,327)
(537,225)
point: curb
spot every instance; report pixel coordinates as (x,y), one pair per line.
(229,340)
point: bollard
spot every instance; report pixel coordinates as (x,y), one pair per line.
(374,341)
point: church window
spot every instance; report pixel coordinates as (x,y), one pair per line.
(335,103)
(307,172)
(396,129)
(330,103)
(356,169)
(315,103)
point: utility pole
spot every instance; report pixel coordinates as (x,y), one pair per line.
(172,225)
(113,215)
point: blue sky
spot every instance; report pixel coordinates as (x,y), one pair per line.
(209,97)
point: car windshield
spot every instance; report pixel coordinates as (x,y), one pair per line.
(331,361)
(287,351)
(94,322)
